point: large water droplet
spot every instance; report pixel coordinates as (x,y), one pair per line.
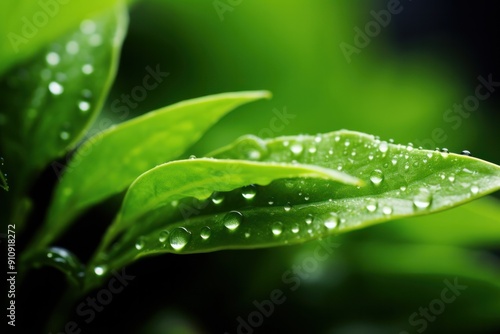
(277,228)
(232,220)
(179,238)
(249,192)
(423,199)
(377,177)
(205,233)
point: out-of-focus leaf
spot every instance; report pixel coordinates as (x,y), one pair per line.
(28,26)
(402,182)
(108,163)
(51,100)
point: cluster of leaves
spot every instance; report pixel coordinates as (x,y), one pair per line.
(252,193)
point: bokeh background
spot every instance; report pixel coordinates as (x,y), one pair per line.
(399,86)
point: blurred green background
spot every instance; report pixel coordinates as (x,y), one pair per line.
(399,86)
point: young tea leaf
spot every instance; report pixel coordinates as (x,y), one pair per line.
(108,163)
(401,182)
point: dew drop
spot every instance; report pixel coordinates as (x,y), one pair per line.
(287,207)
(84,106)
(192,157)
(376,177)
(87,69)
(179,238)
(312,149)
(387,210)
(372,206)
(163,236)
(394,161)
(277,228)
(444,152)
(296,149)
(467,153)
(451,178)
(52,58)
(72,47)
(295,228)
(205,233)
(383,147)
(140,243)
(217,198)
(249,192)
(309,219)
(474,190)
(232,220)
(56,88)
(331,221)
(87,27)
(423,199)
(95,40)
(100,270)
(64,135)
(247,235)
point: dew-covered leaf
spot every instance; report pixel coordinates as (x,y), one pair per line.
(51,99)
(109,162)
(402,181)
(28,26)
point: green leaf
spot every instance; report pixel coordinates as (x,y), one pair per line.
(401,182)
(108,163)
(29,26)
(51,100)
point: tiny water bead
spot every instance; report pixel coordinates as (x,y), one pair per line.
(309,219)
(467,153)
(287,207)
(423,199)
(372,206)
(52,58)
(163,236)
(64,135)
(179,238)
(297,148)
(84,106)
(295,228)
(217,198)
(100,270)
(474,190)
(377,177)
(232,220)
(141,242)
(56,88)
(387,210)
(331,220)
(445,152)
(277,228)
(205,233)
(249,192)
(383,147)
